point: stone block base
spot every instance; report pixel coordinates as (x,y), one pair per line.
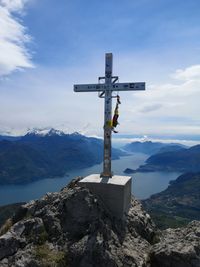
(115,192)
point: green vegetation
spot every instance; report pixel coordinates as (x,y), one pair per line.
(48,257)
(178,204)
(7,212)
(164,221)
(43,236)
(39,237)
(6,226)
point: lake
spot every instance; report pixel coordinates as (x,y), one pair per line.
(143,184)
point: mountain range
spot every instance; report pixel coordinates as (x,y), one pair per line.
(150,148)
(182,160)
(36,156)
(9,138)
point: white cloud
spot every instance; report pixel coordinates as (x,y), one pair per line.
(49,100)
(13,38)
(190,73)
(165,108)
(13,5)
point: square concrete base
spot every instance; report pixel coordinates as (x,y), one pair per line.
(115,192)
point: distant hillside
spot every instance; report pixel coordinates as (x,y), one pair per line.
(35,156)
(178,204)
(9,138)
(170,148)
(183,160)
(151,148)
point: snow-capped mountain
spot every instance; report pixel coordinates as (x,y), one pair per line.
(45,132)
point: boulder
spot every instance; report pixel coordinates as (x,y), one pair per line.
(178,247)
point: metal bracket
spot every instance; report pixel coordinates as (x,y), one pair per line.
(101,94)
(116,78)
(101,78)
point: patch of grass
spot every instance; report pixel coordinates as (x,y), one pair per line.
(50,258)
(38,236)
(7,225)
(28,216)
(43,237)
(164,221)
(8,211)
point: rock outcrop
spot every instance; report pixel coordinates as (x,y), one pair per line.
(73,228)
(178,247)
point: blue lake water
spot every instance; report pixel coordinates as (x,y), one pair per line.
(143,184)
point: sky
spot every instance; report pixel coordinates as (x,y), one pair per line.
(47,46)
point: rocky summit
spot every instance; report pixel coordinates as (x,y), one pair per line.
(73,228)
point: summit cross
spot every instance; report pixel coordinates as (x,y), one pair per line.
(105,91)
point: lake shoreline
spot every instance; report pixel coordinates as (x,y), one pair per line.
(143,185)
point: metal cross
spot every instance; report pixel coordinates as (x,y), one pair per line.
(105,91)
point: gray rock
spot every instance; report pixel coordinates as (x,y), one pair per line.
(9,244)
(178,247)
(73,228)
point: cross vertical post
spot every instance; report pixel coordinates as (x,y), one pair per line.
(105,91)
(107,118)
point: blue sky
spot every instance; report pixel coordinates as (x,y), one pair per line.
(47,46)
(66,30)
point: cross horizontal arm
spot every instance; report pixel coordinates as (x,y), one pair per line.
(112,87)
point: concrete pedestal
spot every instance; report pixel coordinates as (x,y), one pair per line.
(115,192)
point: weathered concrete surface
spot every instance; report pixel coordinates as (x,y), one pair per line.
(115,192)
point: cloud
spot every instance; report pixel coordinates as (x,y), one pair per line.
(13,38)
(49,100)
(171,107)
(190,73)
(13,5)
(150,108)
